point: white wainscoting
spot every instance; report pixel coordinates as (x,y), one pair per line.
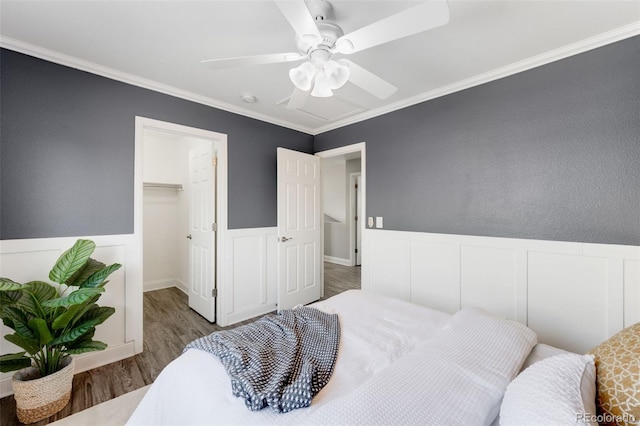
(251,277)
(32,259)
(574,295)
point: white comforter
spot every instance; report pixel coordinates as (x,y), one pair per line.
(398,363)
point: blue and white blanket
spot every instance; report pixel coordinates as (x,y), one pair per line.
(281,361)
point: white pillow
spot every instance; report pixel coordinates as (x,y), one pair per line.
(557,390)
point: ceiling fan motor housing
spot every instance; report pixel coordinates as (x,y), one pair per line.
(330,34)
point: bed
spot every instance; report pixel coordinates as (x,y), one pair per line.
(397,363)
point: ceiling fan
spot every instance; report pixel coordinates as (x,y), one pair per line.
(318,40)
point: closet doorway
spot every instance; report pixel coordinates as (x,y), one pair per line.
(182,209)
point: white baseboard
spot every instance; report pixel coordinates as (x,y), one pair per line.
(182,286)
(160,284)
(168,283)
(337,260)
(83,362)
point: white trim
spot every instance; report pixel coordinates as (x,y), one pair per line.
(113,74)
(159,284)
(590,43)
(353,211)
(183,287)
(360,147)
(220,141)
(337,260)
(342,150)
(582,46)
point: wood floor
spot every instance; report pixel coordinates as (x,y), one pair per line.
(169,325)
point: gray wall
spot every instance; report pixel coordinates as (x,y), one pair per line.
(67,151)
(552,153)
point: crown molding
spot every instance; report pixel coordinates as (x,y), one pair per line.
(113,74)
(585,45)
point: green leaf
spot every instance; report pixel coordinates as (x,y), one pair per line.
(10,297)
(34,294)
(66,317)
(40,327)
(100,313)
(8,285)
(75,333)
(86,337)
(42,290)
(92,266)
(30,345)
(98,278)
(87,346)
(95,316)
(13,362)
(17,320)
(71,261)
(77,297)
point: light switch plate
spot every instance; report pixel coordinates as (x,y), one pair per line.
(370,222)
(378,221)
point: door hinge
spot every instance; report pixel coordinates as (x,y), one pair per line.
(214,161)
(214,292)
(356,250)
(356,186)
(356,218)
(214,227)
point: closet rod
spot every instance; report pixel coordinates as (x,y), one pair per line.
(176,186)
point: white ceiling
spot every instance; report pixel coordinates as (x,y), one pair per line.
(159,44)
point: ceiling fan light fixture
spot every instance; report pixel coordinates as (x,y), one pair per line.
(302,76)
(321,87)
(337,74)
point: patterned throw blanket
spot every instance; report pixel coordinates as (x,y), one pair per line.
(281,360)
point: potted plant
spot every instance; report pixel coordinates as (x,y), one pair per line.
(51,323)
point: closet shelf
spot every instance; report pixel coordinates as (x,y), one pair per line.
(176,186)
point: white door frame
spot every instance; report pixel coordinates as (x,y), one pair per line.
(220,142)
(353,224)
(336,152)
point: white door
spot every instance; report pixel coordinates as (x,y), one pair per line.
(299,227)
(202,249)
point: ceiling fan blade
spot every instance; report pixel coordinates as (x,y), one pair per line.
(300,19)
(272,58)
(430,14)
(369,81)
(298,99)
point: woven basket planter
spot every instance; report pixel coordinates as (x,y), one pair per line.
(39,398)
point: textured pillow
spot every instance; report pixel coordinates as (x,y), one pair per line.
(556,390)
(618,377)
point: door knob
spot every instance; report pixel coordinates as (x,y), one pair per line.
(189,236)
(284,239)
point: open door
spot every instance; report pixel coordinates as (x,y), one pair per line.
(202,249)
(299,229)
